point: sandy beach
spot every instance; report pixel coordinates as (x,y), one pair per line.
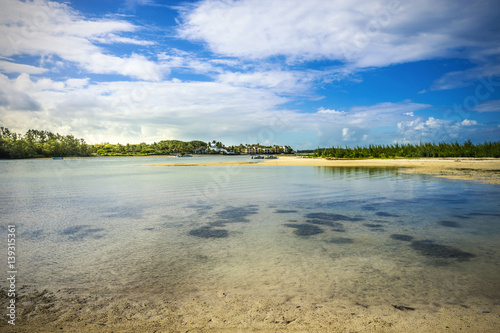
(484,170)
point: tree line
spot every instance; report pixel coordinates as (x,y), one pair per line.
(466,149)
(37,143)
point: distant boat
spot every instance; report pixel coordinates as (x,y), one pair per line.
(270,157)
(57,158)
(182,155)
(257,157)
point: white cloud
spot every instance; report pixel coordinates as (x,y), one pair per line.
(437,130)
(275,80)
(328,111)
(467,122)
(362,33)
(488,106)
(458,79)
(46,28)
(346,134)
(11,67)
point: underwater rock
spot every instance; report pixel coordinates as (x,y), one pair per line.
(341,240)
(332,217)
(305,229)
(373,225)
(74,229)
(384,214)
(449,224)
(323,222)
(208,232)
(237,214)
(285,211)
(81,231)
(401,237)
(429,249)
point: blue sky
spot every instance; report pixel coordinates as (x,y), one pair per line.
(303,73)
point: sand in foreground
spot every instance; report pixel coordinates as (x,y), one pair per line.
(227,312)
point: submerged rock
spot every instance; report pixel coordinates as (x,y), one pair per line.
(305,229)
(450,224)
(430,249)
(208,232)
(384,214)
(401,237)
(341,240)
(332,217)
(328,223)
(237,214)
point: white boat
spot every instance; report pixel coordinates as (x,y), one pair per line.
(182,155)
(257,157)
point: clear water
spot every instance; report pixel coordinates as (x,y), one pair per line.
(318,234)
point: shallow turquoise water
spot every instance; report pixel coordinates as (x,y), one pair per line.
(371,235)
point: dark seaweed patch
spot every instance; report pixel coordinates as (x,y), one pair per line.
(237,214)
(33,234)
(332,217)
(304,229)
(429,249)
(384,214)
(483,214)
(450,224)
(221,223)
(123,212)
(149,229)
(74,229)
(81,231)
(341,240)
(373,225)
(208,232)
(327,223)
(400,237)
(285,211)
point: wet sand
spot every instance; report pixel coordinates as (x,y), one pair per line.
(484,170)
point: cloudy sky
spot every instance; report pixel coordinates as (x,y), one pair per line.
(303,73)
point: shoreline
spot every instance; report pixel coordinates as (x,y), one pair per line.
(484,170)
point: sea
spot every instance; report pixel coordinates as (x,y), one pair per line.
(358,235)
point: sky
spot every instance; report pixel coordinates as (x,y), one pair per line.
(287,72)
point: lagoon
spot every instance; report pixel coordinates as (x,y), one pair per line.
(246,243)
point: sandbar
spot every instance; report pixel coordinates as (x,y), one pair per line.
(484,170)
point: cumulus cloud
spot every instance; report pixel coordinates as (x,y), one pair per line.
(46,28)
(437,130)
(328,111)
(362,33)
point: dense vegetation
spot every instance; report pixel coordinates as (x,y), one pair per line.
(40,144)
(46,144)
(466,149)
